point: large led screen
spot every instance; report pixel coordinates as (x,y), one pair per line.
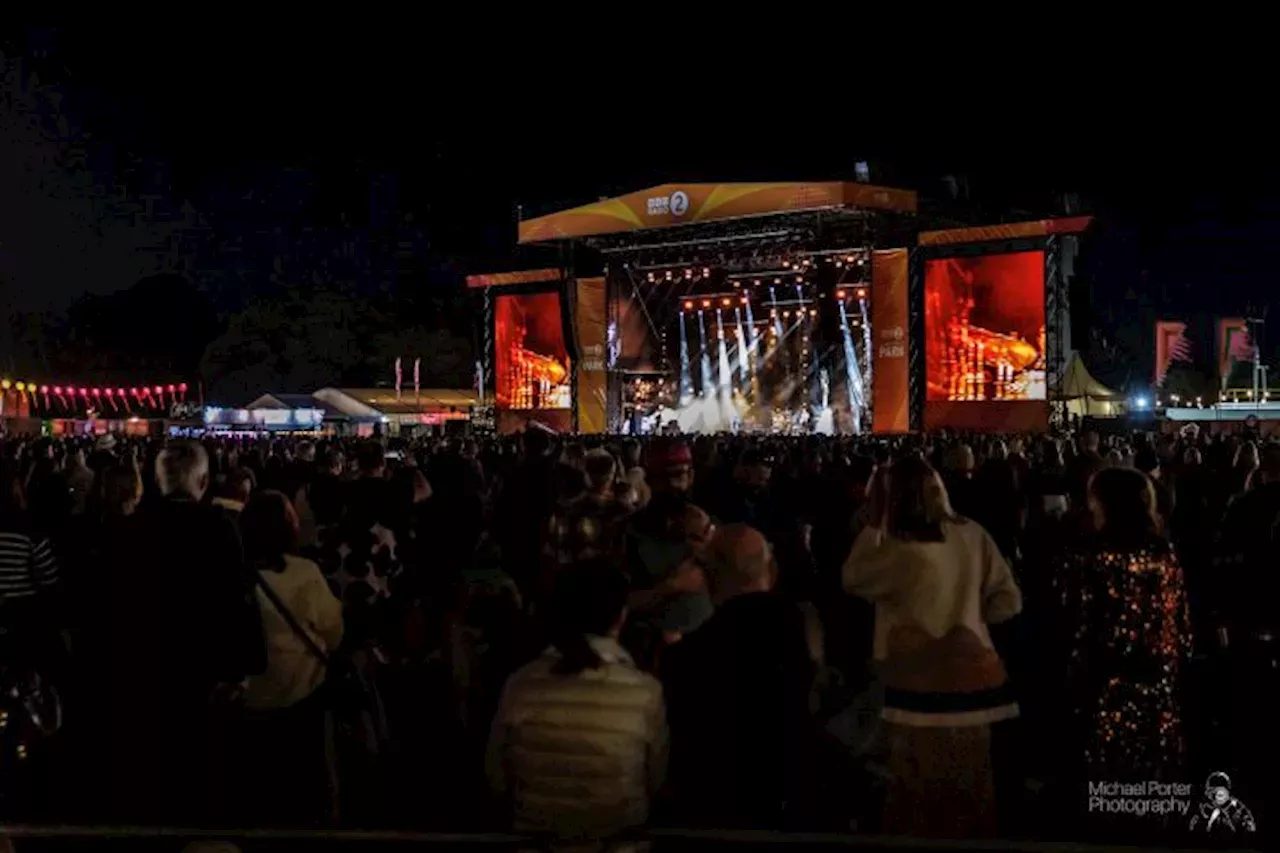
(530,358)
(985,341)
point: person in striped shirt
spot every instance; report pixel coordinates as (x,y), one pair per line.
(27,564)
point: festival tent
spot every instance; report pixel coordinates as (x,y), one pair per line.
(1087,396)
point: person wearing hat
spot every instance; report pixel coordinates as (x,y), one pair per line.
(669,468)
(591,525)
(654,541)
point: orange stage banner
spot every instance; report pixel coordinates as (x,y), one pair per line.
(1008,231)
(590,325)
(890,412)
(506,279)
(678,204)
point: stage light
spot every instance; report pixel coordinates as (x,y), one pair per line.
(786,314)
(84,392)
(57,389)
(21,386)
(651,276)
(839,264)
(773,312)
(737,284)
(688,273)
(120,391)
(777,281)
(109,392)
(807,262)
(799,279)
(706,272)
(706,303)
(97,392)
(861,261)
(862,293)
(688,305)
(44,389)
(756,282)
(744,300)
(813,312)
(726,302)
(182,388)
(839,294)
(849,259)
(6,384)
(668,275)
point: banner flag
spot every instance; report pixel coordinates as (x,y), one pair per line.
(590,325)
(1234,345)
(1171,345)
(890,412)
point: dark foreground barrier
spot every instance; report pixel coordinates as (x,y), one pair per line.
(29,839)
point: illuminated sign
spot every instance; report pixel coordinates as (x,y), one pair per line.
(264,418)
(676,204)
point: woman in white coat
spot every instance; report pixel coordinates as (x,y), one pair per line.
(936,580)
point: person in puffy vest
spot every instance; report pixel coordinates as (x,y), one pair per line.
(579,744)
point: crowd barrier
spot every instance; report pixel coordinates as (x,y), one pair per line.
(655,840)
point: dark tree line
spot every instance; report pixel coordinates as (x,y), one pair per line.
(256,283)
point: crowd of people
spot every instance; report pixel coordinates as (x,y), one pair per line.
(943,635)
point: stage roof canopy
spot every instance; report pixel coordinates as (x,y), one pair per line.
(683,204)
(1006,231)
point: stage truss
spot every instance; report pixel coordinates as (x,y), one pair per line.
(794,269)
(1058,253)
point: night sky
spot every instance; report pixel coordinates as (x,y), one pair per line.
(1189,214)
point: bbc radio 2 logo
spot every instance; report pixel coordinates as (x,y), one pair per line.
(676,204)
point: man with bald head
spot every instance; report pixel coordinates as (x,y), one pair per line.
(739,561)
(738,695)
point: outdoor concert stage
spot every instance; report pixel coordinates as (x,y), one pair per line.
(776,307)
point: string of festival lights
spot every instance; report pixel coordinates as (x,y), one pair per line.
(71,396)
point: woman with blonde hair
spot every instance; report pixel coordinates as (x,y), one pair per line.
(937,580)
